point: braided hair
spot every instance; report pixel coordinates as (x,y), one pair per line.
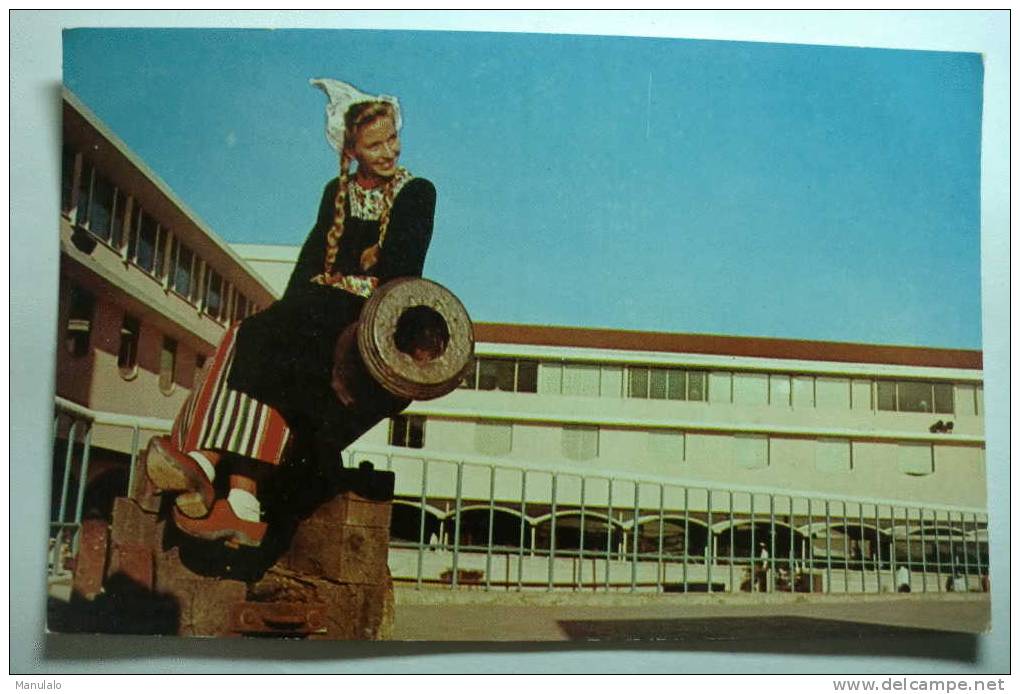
(358,116)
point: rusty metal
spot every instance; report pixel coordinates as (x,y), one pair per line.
(390,333)
(278,618)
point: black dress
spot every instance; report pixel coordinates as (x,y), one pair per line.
(284,354)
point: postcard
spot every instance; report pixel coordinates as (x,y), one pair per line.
(517,337)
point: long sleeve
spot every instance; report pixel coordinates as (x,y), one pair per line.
(313,253)
(410,231)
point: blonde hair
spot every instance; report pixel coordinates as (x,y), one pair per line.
(357,117)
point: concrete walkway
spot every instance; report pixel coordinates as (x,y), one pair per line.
(466,615)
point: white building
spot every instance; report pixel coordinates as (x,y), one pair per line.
(575,441)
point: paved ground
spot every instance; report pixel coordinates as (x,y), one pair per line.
(765,622)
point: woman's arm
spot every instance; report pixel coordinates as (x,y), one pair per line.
(313,253)
(410,231)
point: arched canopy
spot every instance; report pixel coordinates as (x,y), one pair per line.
(670,518)
(481,525)
(413,522)
(484,508)
(576,513)
(859,530)
(742,523)
(431,510)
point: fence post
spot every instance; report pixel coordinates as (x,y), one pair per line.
(492,512)
(659,580)
(421,519)
(83,475)
(709,554)
(552,535)
(520,547)
(135,436)
(636,533)
(456,526)
(828,547)
(687,534)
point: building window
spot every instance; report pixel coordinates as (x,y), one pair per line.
(966,398)
(127,355)
(832,393)
(67,178)
(79,321)
(915,396)
(886,395)
(146,243)
(580,442)
(916,459)
(509,375)
(637,382)
(665,384)
(944,398)
(470,381)
(167,365)
(214,294)
(183,278)
(496,374)
(81,214)
(527,376)
(240,307)
(751,451)
(493,438)
(102,208)
(407,431)
(750,389)
(581,379)
(697,386)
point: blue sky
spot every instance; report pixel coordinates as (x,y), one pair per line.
(689,186)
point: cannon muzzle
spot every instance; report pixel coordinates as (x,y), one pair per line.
(415,339)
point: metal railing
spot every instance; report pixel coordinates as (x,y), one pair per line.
(483,524)
(490,526)
(73,431)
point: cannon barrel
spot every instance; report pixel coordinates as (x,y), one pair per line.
(414,340)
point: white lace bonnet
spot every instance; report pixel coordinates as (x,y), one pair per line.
(341,97)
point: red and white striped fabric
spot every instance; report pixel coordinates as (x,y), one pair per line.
(216,417)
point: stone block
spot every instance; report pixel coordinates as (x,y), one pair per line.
(132,565)
(90,564)
(206,605)
(350,508)
(347,554)
(132,525)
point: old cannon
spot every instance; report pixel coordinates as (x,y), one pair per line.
(321,571)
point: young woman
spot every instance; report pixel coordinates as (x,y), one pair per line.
(274,376)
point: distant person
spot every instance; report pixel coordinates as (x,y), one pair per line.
(957,582)
(763,569)
(275,375)
(903,579)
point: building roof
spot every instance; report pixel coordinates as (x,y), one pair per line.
(760,347)
(125,167)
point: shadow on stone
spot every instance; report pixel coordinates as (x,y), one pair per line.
(124,607)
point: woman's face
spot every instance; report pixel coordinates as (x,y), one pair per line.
(377,149)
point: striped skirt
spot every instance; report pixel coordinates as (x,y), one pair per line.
(217,418)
